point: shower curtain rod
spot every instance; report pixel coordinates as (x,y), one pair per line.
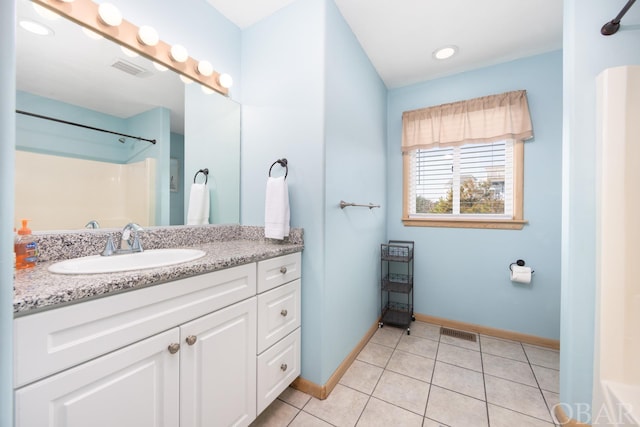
(613,26)
(139,138)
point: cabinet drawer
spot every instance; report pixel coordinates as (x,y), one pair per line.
(50,341)
(277,368)
(278,314)
(277,271)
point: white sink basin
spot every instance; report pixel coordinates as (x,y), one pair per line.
(125,262)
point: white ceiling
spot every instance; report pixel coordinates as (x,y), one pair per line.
(399,36)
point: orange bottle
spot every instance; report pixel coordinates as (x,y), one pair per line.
(25,247)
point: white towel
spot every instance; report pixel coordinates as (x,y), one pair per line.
(198,212)
(276,211)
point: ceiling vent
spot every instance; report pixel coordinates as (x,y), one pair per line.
(130,68)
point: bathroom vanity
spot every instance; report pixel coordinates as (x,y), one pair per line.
(180,349)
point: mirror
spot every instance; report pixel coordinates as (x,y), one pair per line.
(68,175)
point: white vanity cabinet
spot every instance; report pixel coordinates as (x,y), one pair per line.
(182,353)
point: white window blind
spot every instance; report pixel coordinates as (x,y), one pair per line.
(468,180)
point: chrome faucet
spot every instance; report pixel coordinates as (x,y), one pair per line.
(129,238)
(92,224)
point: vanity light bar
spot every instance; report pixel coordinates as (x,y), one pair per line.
(85,13)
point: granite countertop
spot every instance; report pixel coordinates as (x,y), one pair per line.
(37,289)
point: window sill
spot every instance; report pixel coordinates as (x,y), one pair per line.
(500,224)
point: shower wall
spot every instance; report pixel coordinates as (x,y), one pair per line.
(50,194)
(617,338)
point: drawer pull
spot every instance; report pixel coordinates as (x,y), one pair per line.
(283,367)
(191,339)
(173,348)
(283,270)
(284,312)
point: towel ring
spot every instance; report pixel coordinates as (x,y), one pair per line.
(203,171)
(283,163)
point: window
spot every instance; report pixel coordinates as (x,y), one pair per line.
(463,162)
(472,185)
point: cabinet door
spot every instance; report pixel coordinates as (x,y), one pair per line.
(136,386)
(218,368)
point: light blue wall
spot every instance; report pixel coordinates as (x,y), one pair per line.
(7,173)
(283,116)
(586,54)
(48,137)
(176,199)
(462,274)
(156,124)
(212,141)
(311,95)
(355,147)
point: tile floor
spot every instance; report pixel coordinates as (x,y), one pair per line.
(431,380)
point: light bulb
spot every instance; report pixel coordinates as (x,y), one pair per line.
(91,34)
(186,80)
(205,68)
(147,35)
(159,67)
(45,13)
(66,1)
(179,53)
(206,90)
(109,14)
(130,53)
(225,80)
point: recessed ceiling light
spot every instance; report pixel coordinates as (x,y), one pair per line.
(36,28)
(445,52)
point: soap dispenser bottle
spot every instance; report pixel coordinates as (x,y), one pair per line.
(26,248)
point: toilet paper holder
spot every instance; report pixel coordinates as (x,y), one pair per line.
(519,263)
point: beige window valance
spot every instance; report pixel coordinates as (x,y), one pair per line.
(480,120)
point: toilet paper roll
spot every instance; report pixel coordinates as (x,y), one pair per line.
(520,274)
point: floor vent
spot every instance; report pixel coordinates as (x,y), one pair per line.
(458,334)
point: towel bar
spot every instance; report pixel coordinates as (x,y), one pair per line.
(344,204)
